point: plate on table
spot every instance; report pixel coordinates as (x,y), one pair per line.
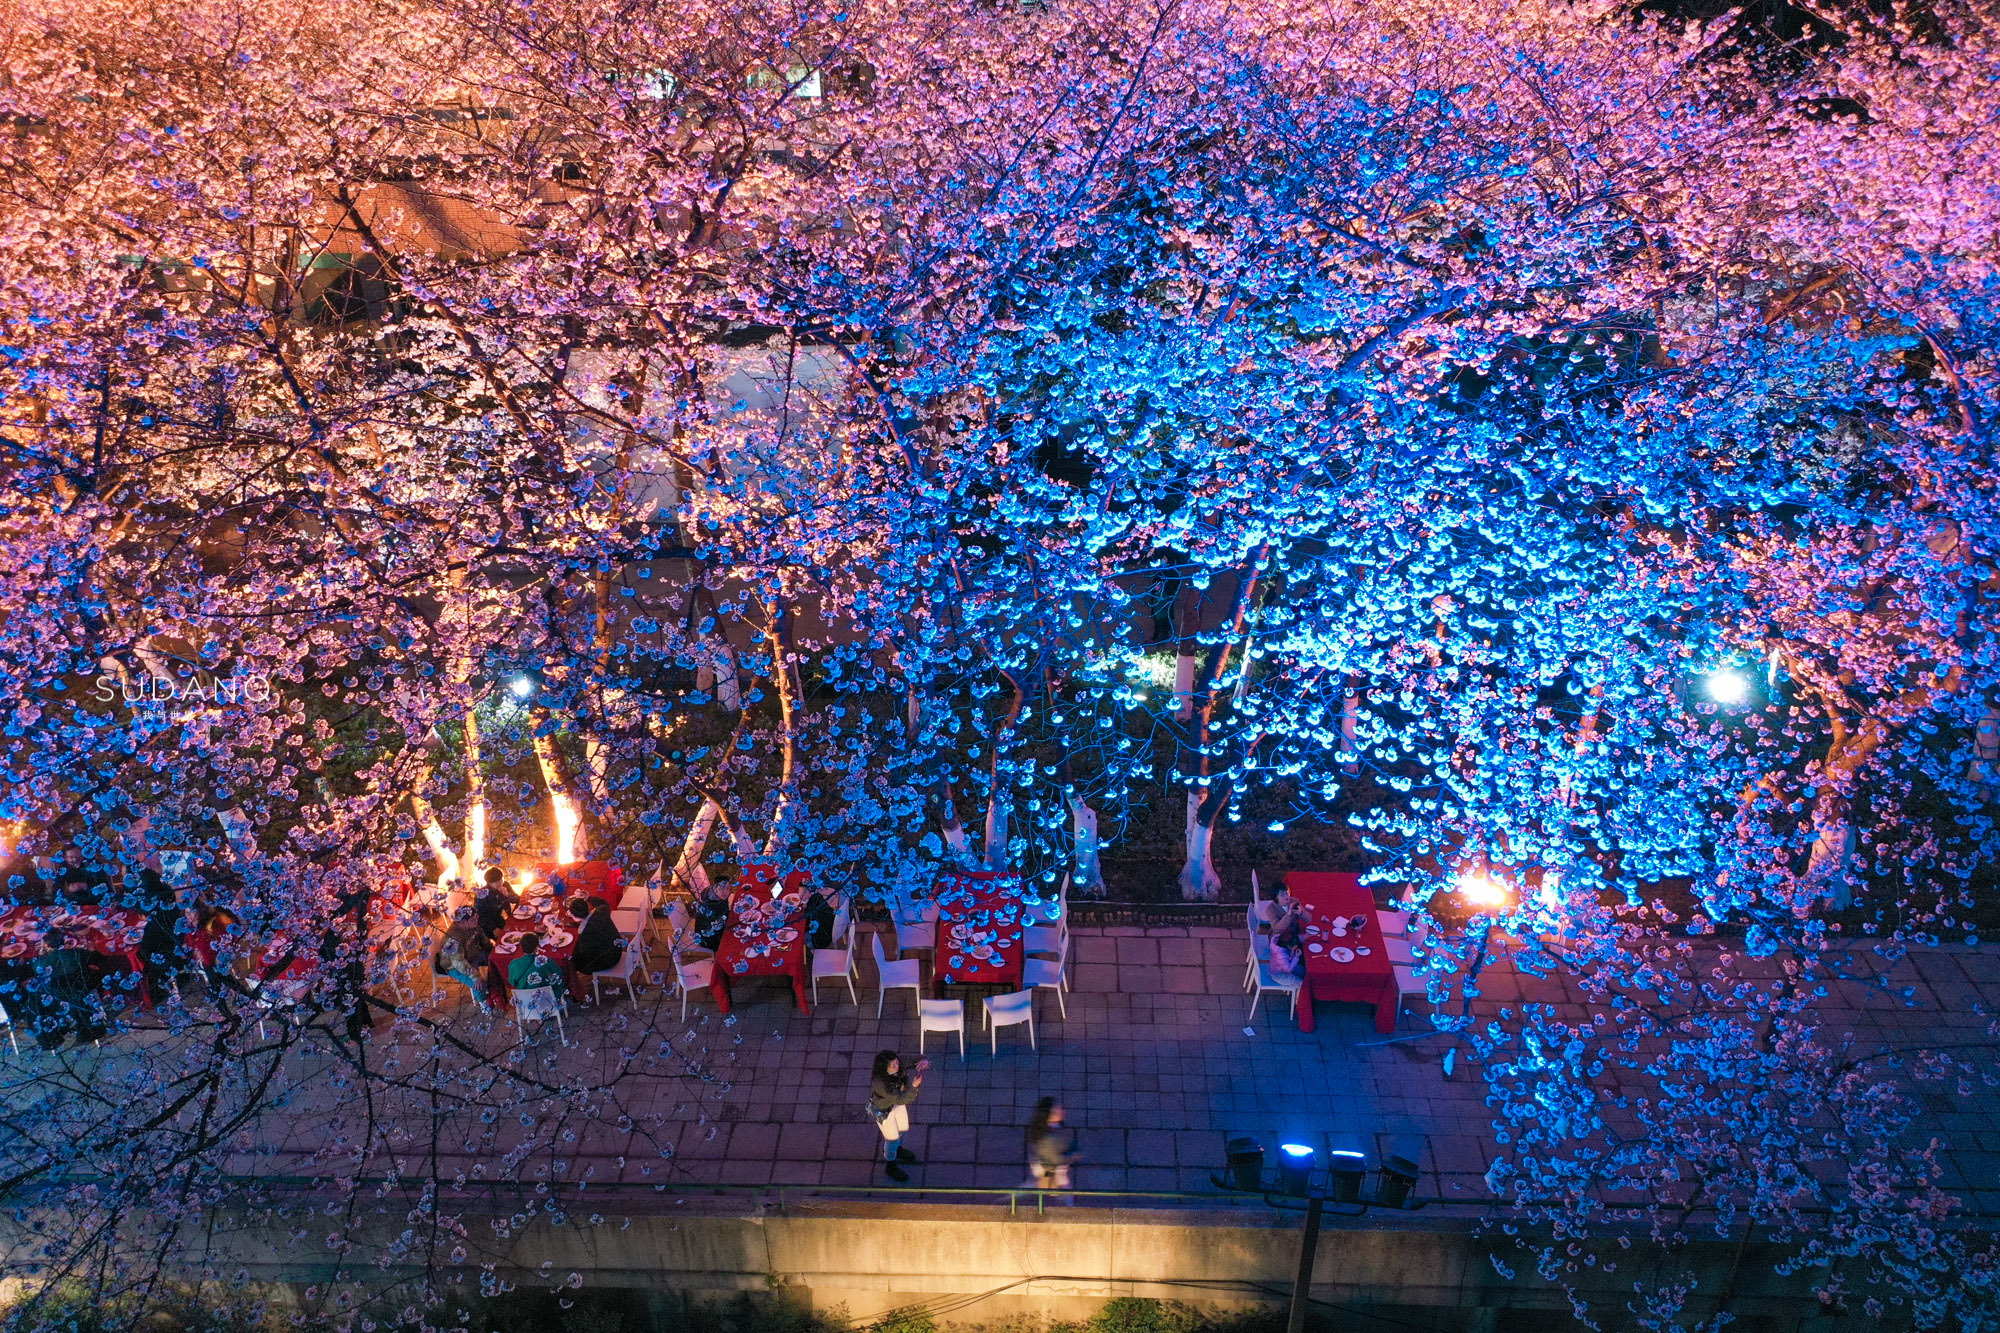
(560,939)
(785,936)
(957,961)
(1364,951)
(1316,947)
(13,949)
(511,939)
(1340,955)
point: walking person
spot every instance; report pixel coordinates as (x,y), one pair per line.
(890,1092)
(1051,1151)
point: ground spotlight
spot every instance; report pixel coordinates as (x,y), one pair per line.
(1347,1168)
(1246,1164)
(1295,1167)
(522,687)
(1396,1179)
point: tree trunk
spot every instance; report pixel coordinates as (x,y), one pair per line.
(996,792)
(1198,880)
(565,810)
(1350,729)
(1087,876)
(1208,792)
(954,832)
(689,873)
(1187,646)
(475,801)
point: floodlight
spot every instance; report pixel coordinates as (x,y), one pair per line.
(1347,1168)
(522,687)
(1246,1164)
(1397,1178)
(1295,1166)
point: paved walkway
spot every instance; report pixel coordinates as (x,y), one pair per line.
(1153,1064)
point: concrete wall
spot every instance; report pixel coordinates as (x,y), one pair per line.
(871,1258)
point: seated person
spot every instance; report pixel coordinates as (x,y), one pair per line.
(819,920)
(160,949)
(21,882)
(68,978)
(708,914)
(531,970)
(598,943)
(463,955)
(79,885)
(493,903)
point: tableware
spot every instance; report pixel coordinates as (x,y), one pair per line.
(561,938)
(1364,951)
(1340,955)
(1316,947)
(1340,930)
(957,961)
(784,936)
(14,950)
(512,938)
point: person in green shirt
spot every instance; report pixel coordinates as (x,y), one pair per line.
(529,971)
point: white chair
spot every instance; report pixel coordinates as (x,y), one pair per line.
(631,923)
(1265,979)
(836,961)
(1393,923)
(941,1016)
(7,1021)
(679,927)
(1043,939)
(1040,973)
(630,968)
(1256,897)
(538,1004)
(1402,952)
(1006,1011)
(915,935)
(1260,946)
(1408,983)
(892,975)
(690,977)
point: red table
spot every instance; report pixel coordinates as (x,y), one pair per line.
(595,879)
(1368,977)
(113,931)
(547,917)
(762,939)
(990,907)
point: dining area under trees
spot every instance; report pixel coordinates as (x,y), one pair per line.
(532,541)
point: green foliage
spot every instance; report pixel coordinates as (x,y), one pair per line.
(73,1308)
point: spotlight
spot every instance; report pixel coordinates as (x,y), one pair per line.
(1395,1181)
(1347,1168)
(1246,1164)
(1295,1166)
(1728,687)
(522,687)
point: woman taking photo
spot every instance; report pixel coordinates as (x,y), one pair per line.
(890,1092)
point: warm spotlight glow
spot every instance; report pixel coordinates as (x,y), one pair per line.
(522,687)
(1482,890)
(567,822)
(1727,686)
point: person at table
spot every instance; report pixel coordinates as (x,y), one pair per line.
(1287,954)
(463,955)
(531,970)
(819,920)
(22,882)
(494,903)
(709,914)
(599,946)
(161,952)
(77,884)
(68,978)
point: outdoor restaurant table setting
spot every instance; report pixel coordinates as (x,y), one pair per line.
(1341,940)
(982,916)
(105,930)
(764,937)
(540,910)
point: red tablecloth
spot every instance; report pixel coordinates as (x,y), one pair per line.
(1367,978)
(762,939)
(595,879)
(990,907)
(114,931)
(558,931)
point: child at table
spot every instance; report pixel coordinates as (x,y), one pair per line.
(530,970)
(463,955)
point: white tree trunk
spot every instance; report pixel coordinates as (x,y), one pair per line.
(474,864)
(954,831)
(1350,733)
(728,687)
(1198,880)
(1986,754)
(1184,683)
(689,872)
(236,828)
(564,808)
(996,833)
(1832,852)
(1087,878)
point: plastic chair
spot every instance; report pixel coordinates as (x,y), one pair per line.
(836,961)
(1265,979)
(539,1004)
(915,935)
(1007,1011)
(1260,947)
(1040,973)
(1408,983)
(629,969)
(7,1021)
(941,1016)
(690,977)
(1044,939)
(893,975)
(1393,923)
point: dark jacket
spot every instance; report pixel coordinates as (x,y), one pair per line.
(819,921)
(492,907)
(888,1091)
(1050,1148)
(597,944)
(470,943)
(710,917)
